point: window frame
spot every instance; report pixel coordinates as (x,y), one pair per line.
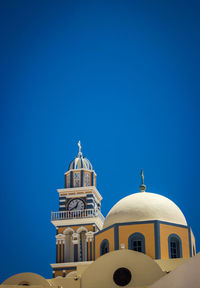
(79,179)
(178,247)
(104,242)
(87,179)
(136,237)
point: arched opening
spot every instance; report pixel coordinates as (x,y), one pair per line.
(104,247)
(82,247)
(68,246)
(136,242)
(174,246)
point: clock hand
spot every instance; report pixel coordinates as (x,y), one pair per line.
(74,207)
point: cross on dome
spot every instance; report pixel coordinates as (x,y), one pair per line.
(142,186)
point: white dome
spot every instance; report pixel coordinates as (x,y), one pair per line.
(144,206)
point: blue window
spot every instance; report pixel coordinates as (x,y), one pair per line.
(104,247)
(136,242)
(174,246)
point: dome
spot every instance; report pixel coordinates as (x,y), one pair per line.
(144,206)
(80,162)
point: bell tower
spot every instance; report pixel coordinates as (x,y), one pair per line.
(78,218)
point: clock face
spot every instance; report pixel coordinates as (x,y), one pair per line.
(76,204)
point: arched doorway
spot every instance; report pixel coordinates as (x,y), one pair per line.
(68,245)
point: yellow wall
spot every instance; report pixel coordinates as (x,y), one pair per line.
(146,229)
(193,242)
(109,235)
(165,231)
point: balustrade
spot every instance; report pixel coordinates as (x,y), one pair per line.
(87,213)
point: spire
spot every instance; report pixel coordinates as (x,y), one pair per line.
(79,145)
(142,186)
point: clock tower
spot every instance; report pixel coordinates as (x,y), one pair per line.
(78,218)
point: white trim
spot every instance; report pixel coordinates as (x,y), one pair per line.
(84,169)
(69,222)
(69,264)
(86,190)
(81,229)
(90,203)
(89,198)
(68,229)
(75,195)
(59,236)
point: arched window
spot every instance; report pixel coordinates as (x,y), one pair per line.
(136,242)
(82,244)
(174,246)
(104,247)
(68,246)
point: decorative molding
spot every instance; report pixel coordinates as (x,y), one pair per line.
(70,264)
(68,229)
(80,169)
(60,237)
(74,222)
(80,229)
(87,189)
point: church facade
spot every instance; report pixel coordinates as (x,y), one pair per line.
(145,222)
(144,236)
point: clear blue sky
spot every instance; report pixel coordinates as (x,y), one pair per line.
(122,77)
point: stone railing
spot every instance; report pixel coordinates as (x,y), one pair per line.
(87,213)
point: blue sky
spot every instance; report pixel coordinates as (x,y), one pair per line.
(122,77)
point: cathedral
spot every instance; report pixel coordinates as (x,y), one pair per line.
(144,241)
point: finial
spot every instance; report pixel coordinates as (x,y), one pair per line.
(79,145)
(142,186)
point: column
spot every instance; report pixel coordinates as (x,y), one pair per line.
(60,248)
(89,245)
(87,252)
(91,237)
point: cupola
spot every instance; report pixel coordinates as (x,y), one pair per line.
(80,172)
